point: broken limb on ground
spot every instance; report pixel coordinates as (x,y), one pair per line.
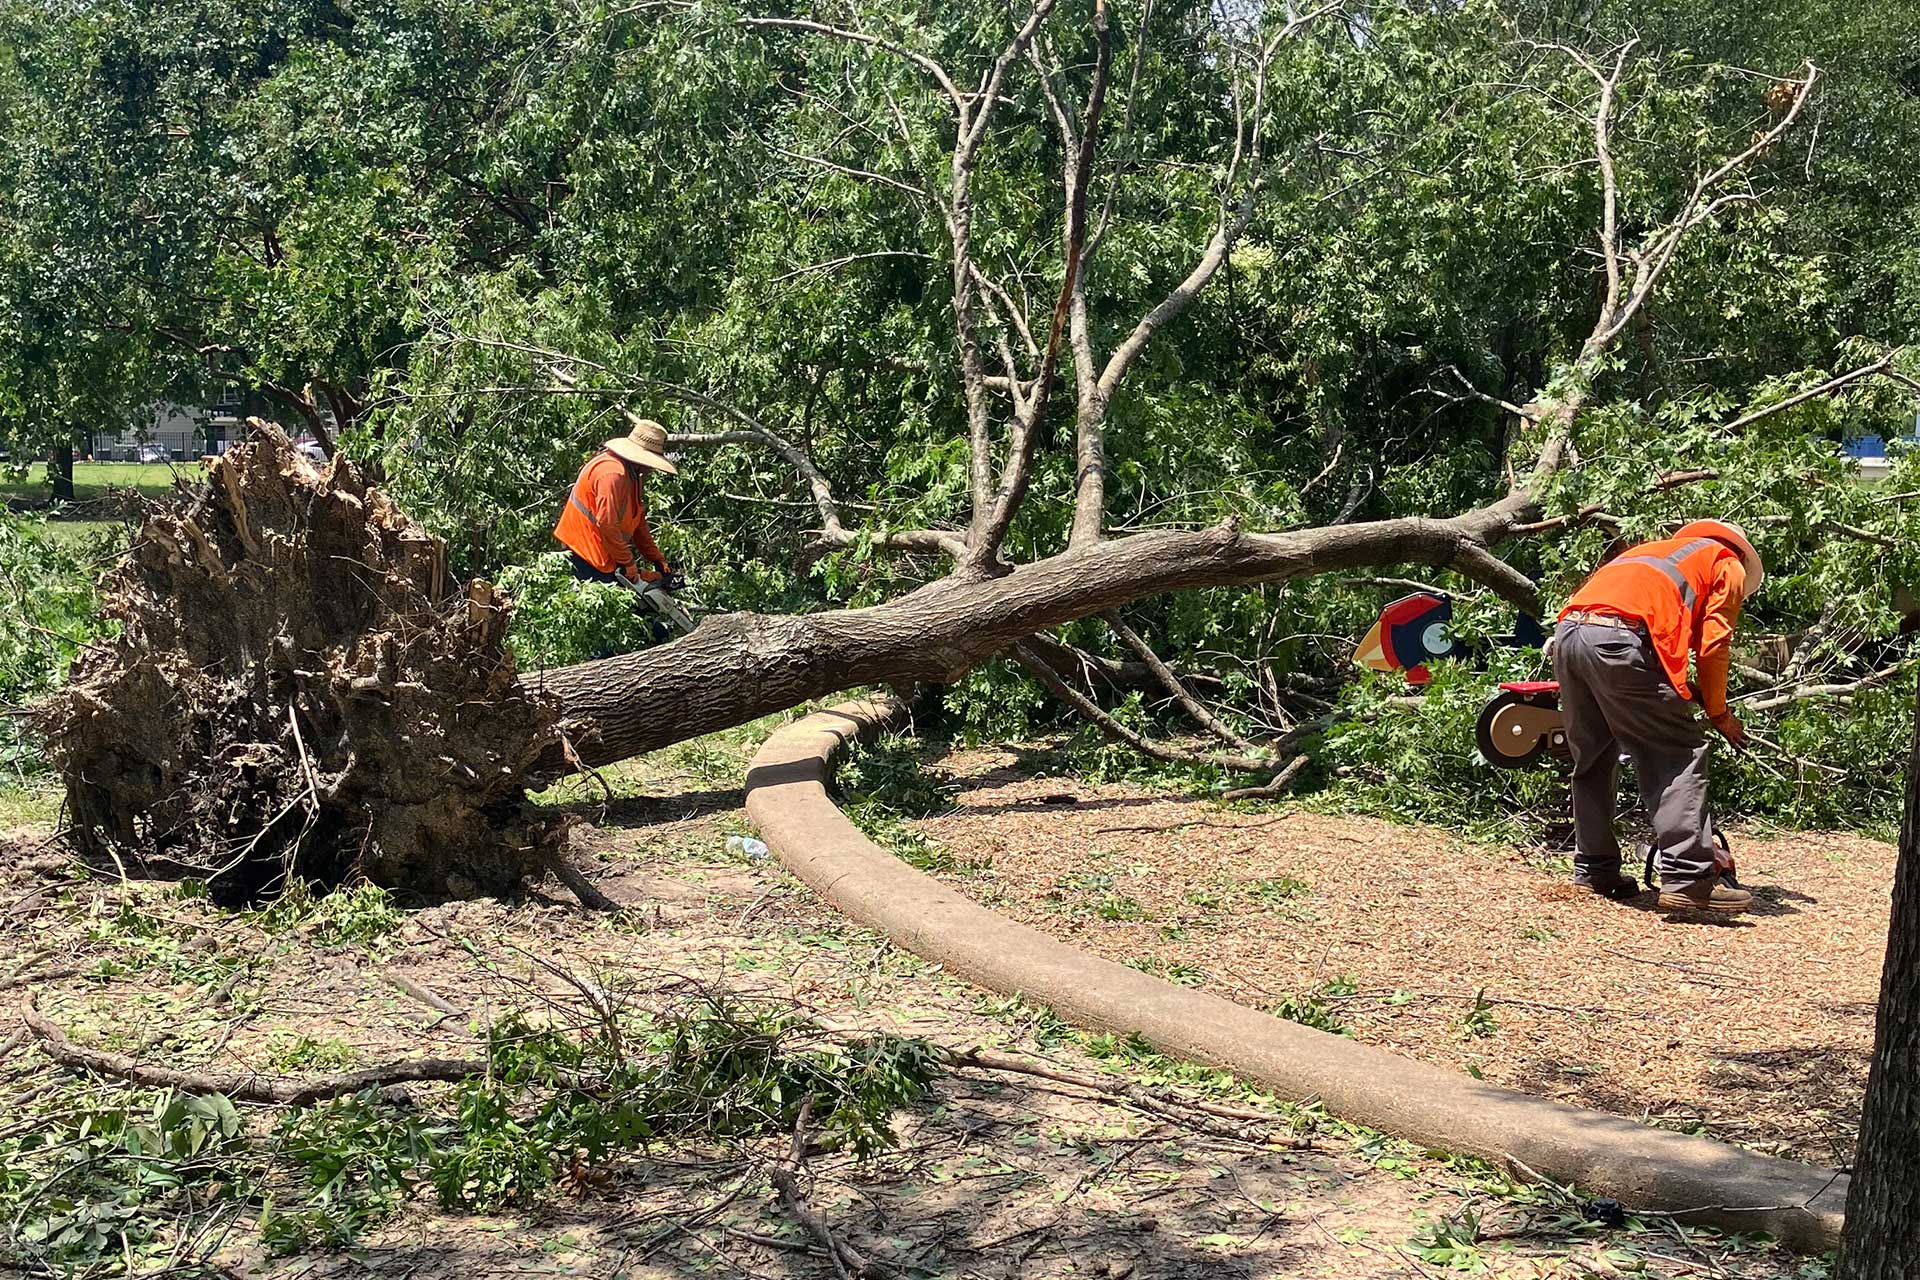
(299,688)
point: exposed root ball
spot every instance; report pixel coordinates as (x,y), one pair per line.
(299,689)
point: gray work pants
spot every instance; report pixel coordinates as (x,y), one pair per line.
(1615,696)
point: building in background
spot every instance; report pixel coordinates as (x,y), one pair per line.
(1875,454)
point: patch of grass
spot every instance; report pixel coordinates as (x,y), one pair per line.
(290,1051)
(1117,907)
(96,479)
(145,939)
(30,803)
(884,828)
(1275,889)
(353,916)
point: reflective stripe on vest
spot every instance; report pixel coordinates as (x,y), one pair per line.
(1669,564)
(574,499)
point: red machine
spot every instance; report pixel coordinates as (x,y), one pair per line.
(1519,726)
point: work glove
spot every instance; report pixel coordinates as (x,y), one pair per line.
(671,580)
(1730,727)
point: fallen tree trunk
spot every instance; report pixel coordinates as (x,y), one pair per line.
(299,690)
(739,666)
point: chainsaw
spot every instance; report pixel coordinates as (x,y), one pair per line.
(658,599)
(1520,725)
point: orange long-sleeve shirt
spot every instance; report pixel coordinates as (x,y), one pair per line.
(604,521)
(1713,643)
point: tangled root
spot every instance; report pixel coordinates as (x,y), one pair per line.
(299,689)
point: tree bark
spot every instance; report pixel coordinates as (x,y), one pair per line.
(60,472)
(1882,1238)
(737,667)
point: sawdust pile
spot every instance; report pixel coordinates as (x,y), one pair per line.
(300,689)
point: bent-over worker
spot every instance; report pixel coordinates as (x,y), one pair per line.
(604,521)
(1620,654)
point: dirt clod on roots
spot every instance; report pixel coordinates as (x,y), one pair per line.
(300,689)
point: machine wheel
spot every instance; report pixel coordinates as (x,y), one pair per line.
(1516,729)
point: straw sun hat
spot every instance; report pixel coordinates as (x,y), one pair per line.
(645,445)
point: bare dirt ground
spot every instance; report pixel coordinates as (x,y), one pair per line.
(1484,959)
(993,1175)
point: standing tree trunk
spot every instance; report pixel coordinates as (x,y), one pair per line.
(1882,1240)
(60,472)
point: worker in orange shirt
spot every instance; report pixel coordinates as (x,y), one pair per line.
(604,521)
(1620,653)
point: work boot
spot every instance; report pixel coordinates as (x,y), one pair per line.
(1615,888)
(1706,895)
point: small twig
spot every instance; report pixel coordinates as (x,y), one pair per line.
(44,975)
(569,875)
(1272,790)
(785,1177)
(426,995)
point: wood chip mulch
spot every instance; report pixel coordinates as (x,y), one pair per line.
(1481,958)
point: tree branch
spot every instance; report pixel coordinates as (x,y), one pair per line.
(1090,491)
(1195,709)
(1828,387)
(984,550)
(1651,261)
(1274,788)
(240,1088)
(1037,664)
(1772,700)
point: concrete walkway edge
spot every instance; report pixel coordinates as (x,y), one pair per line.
(1647,1169)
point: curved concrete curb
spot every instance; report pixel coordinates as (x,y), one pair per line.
(1645,1168)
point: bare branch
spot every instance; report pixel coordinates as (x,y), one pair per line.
(851,171)
(1010,310)
(1274,788)
(984,549)
(1527,413)
(241,1088)
(1249,148)
(1036,663)
(1651,261)
(920,60)
(834,264)
(1771,700)
(1597,511)
(1194,708)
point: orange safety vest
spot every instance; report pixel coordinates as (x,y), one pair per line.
(1665,585)
(605,542)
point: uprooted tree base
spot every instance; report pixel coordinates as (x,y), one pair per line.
(299,688)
